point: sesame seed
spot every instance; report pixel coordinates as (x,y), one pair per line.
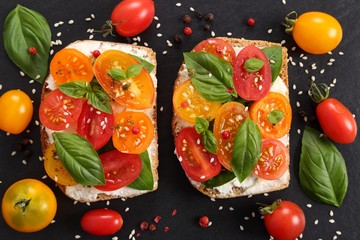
(91,36)
(229,34)
(331,220)
(231,208)
(309,205)
(284,2)
(88,19)
(24,162)
(221,208)
(241,228)
(283,42)
(127,209)
(33,91)
(156,18)
(322,71)
(300,92)
(159,35)
(294,86)
(58,34)
(266,194)
(331,213)
(297,103)
(212,33)
(246,218)
(192,9)
(158,25)
(71,22)
(299,131)
(270,30)
(341,53)
(338,232)
(178,4)
(316,222)
(22,73)
(164,52)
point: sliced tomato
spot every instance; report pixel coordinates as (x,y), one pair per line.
(227,122)
(218,47)
(251,86)
(55,169)
(120,169)
(70,65)
(58,111)
(188,104)
(199,164)
(273,161)
(260,112)
(137,92)
(133,133)
(95,126)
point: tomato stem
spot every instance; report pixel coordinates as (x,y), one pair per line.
(108,28)
(318,92)
(290,20)
(269,209)
(23,203)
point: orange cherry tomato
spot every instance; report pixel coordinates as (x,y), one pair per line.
(261,110)
(137,92)
(188,104)
(70,65)
(133,133)
(227,122)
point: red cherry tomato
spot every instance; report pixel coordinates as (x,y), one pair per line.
(218,47)
(95,126)
(101,222)
(199,164)
(284,220)
(131,17)
(251,86)
(120,169)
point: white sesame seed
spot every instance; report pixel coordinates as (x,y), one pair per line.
(299,131)
(284,2)
(13,153)
(158,25)
(212,33)
(341,53)
(159,35)
(300,92)
(164,52)
(322,71)
(294,86)
(192,9)
(309,205)
(266,194)
(221,208)
(156,18)
(24,162)
(88,19)
(71,22)
(331,213)
(51,51)
(241,228)
(231,208)
(127,209)
(338,232)
(178,4)
(316,222)
(22,73)
(37,77)
(283,42)
(229,34)
(297,103)
(92,16)
(246,218)
(331,220)
(58,34)
(91,36)
(270,30)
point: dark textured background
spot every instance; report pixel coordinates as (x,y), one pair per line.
(174,191)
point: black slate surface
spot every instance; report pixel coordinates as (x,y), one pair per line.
(231,218)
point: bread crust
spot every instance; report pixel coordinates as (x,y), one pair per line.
(237,190)
(89,194)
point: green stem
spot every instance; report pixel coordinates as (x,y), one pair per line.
(23,204)
(269,209)
(318,92)
(290,20)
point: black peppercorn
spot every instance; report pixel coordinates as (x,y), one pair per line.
(178,38)
(187,19)
(199,15)
(207,27)
(209,17)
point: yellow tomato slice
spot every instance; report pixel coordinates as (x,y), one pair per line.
(188,104)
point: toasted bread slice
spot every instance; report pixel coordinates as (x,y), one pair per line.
(90,194)
(253,184)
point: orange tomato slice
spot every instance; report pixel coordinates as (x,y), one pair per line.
(136,92)
(260,110)
(188,104)
(133,133)
(227,122)
(70,65)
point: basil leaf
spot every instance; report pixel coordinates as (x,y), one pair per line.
(25,28)
(117,74)
(201,125)
(209,141)
(74,89)
(98,98)
(275,116)
(79,158)
(211,76)
(274,54)
(222,178)
(145,181)
(253,64)
(247,149)
(322,169)
(133,70)
(147,65)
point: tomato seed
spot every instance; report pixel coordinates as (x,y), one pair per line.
(204,221)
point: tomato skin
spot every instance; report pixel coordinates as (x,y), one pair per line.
(131,17)
(39,212)
(287,221)
(101,222)
(16,111)
(120,169)
(251,86)
(218,47)
(336,121)
(198,164)
(317,32)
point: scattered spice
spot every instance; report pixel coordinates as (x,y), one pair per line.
(204,221)
(251,22)
(198,15)
(209,17)
(187,19)
(178,38)
(207,27)
(157,219)
(166,229)
(96,53)
(144,225)
(32,50)
(152,227)
(187,30)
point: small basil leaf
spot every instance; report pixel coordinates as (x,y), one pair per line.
(253,64)
(247,149)
(211,76)
(133,70)
(209,141)
(322,169)
(222,178)
(25,28)
(275,116)
(274,54)
(117,74)
(98,98)
(145,181)
(79,158)
(147,65)
(74,89)
(201,125)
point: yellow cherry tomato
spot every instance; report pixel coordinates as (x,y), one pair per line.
(16,111)
(28,205)
(314,32)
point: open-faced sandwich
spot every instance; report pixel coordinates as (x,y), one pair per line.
(98,120)
(232,117)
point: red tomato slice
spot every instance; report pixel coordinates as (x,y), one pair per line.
(95,126)
(137,92)
(218,47)
(251,86)
(120,169)
(58,111)
(273,161)
(198,164)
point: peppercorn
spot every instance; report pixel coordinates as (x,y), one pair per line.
(187,30)
(96,53)
(187,19)
(32,50)
(204,221)
(152,227)
(144,225)
(251,22)
(178,38)
(207,27)
(209,17)
(198,15)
